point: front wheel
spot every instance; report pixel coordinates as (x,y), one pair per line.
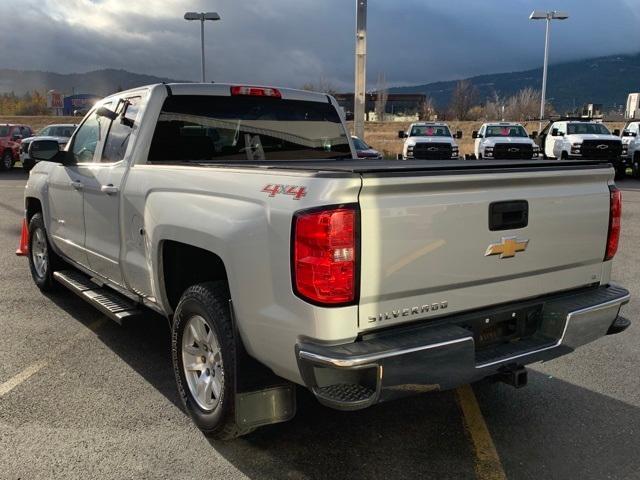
(204,358)
(28,164)
(7,160)
(635,166)
(42,259)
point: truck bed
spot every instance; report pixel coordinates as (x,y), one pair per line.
(398,167)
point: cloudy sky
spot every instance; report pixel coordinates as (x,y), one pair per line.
(290,42)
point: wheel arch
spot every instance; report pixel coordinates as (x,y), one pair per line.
(182,265)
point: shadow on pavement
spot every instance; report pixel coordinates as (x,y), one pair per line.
(551,429)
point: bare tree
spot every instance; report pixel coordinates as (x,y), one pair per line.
(427,109)
(382,96)
(323,85)
(463,97)
(493,109)
(524,105)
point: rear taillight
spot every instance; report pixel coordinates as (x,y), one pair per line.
(325,255)
(615,213)
(256,91)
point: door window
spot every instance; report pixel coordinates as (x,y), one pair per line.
(87,138)
(121,128)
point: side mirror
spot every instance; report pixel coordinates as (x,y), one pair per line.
(474,134)
(616,132)
(402,134)
(44,150)
(459,134)
(533,135)
(105,112)
(554,132)
(16,136)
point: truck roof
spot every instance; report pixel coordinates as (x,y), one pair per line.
(224,89)
(426,124)
(503,124)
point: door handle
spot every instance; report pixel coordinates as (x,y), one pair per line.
(109,189)
(77,185)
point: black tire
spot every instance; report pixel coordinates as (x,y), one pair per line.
(43,279)
(28,164)
(621,172)
(635,166)
(209,301)
(6,163)
(564,156)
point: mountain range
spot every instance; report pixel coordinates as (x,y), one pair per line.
(98,82)
(604,80)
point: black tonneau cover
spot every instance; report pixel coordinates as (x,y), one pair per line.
(406,167)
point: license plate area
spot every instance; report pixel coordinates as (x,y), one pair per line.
(504,327)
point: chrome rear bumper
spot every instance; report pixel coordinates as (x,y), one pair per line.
(442,355)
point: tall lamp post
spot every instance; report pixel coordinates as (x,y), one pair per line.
(361,68)
(202,16)
(548,16)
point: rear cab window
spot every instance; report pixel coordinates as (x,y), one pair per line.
(204,128)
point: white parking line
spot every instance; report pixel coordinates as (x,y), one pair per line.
(34,368)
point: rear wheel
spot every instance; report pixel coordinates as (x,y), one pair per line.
(204,359)
(7,160)
(564,156)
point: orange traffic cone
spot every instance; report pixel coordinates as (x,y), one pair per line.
(23,248)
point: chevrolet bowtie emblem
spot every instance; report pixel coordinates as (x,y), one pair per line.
(507,248)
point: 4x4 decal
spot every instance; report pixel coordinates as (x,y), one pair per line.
(296,191)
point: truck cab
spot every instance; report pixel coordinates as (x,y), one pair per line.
(429,141)
(579,138)
(631,146)
(504,140)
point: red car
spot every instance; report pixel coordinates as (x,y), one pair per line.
(10,137)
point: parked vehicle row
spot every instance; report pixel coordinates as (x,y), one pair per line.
(58,132)
(242,215)
(11,136)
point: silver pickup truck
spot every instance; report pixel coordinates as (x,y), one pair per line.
(240,214)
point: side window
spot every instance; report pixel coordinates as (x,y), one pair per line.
(87,138)
(26,132)
(118,138)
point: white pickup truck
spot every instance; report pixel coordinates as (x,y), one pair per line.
(504,140)
(241,215)
(429,141)
(631,147)
(579,138)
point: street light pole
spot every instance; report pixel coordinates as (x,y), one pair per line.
(202,45)
(548,16)
(544,72)
(202,16)
(361,69)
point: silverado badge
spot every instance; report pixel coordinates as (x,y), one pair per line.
(507,248)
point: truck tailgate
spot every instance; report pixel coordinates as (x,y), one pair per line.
(425,240)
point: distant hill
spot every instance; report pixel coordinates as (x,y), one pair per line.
(98,82)
(605,80)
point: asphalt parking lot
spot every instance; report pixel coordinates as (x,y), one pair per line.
(81,397)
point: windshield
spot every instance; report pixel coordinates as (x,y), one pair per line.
(430,131)
(506,131)
(57,131)
(4,131)
(587,128)
(359,144)
(239,127)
